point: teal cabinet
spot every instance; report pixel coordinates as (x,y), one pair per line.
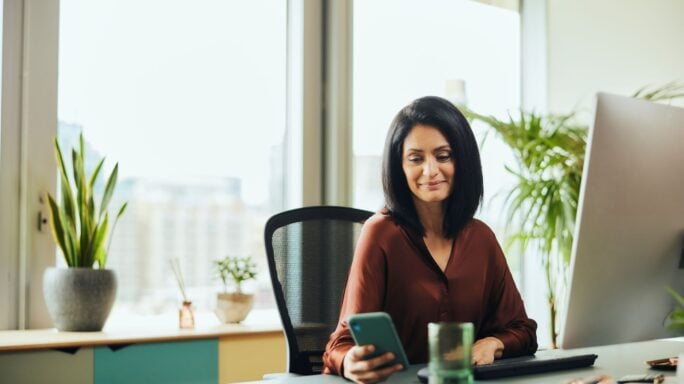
(191,362)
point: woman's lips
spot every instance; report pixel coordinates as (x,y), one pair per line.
(432,185)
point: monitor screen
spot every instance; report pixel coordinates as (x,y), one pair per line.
(629,238)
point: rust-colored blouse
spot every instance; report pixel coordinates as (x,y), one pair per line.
(394,272)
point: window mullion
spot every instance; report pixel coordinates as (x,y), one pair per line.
(337,119)
(38,170)
(10,162)
(304,103)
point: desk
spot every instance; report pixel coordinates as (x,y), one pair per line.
(613,360)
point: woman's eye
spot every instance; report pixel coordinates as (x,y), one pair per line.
(444,157)
(415,159)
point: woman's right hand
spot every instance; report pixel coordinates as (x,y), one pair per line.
(368,371)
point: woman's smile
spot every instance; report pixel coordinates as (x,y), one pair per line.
(428,164)
(433,185)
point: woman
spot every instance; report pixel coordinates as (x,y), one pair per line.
(424,258)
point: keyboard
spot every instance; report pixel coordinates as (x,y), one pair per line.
(515,366)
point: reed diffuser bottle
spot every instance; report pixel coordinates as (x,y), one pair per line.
(186,319)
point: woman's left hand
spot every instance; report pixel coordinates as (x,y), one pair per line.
(486,350)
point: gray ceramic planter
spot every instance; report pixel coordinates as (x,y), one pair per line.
(79,299)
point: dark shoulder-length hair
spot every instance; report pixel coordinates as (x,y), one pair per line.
(467,190)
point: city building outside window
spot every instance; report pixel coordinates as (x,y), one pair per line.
(189,98)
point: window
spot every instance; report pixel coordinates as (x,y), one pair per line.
(189,98)
(456,49)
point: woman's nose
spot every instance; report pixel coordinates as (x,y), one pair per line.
(429,167)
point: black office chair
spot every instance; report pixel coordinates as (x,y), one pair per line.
(309,253)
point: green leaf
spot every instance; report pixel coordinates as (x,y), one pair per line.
(57,229)
(676,319)
(109,189)
(549,153)
(116,221)
(77,173)
(68,203)
(85,227)
(78,229)
(67,194)
(121,210)
(70,236)
(81,146)
(60,159)
(667,91)
(92,222)
(99,252)
(96,173)
(675,296)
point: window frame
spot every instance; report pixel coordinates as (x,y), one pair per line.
(318,143)
(29,121)
(9,161)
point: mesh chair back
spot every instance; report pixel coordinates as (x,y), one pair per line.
(309,253)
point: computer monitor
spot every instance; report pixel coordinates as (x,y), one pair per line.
(629,238)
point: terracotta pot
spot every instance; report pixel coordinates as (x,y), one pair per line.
(233,307)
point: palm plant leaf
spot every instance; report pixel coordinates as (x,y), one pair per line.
(676,319)
(541,208)
(676,296)
(669,91)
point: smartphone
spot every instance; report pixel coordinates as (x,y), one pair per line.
(376,328)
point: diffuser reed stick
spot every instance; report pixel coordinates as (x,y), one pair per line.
(185,317)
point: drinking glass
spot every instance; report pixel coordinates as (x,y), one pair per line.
(450,353)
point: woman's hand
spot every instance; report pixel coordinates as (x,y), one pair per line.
(486,350)
(358,370)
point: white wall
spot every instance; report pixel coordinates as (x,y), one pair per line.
(615,46)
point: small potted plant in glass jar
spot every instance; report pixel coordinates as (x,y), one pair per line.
(233,305)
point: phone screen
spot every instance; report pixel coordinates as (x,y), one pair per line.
(376,328)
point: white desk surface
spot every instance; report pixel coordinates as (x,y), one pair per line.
(613,360)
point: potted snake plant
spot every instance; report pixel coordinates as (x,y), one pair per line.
(232,306)
(80,297)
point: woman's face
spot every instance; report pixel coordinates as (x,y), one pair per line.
(428,164)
